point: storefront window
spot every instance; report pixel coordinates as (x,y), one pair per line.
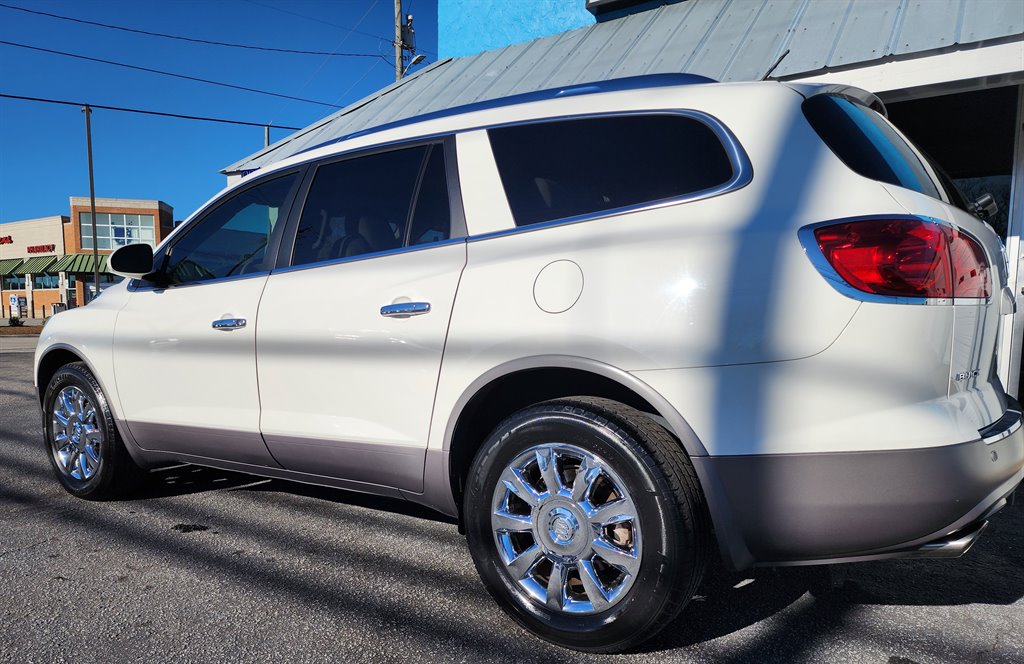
(45,280)
(14,282)
(117,230)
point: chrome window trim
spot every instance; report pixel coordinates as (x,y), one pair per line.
(821,264)
(375,254)
(742,175)
(724,134)
(742,170)
(139,285)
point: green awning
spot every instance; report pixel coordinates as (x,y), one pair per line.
(7,265)
(78,264)
(35,265)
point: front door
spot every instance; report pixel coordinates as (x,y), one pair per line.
(185,345)
(351,335)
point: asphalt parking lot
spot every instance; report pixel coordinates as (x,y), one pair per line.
(209,566)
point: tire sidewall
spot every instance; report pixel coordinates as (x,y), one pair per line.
(664,545)
(78,376)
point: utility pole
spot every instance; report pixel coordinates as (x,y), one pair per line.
(92,202)
(398,40)
(266,135)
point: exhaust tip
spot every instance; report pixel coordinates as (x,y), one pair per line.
(953,545)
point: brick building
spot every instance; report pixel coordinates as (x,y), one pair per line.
(49,261)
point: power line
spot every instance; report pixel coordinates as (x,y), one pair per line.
(340,44)
(317,20)
(320,20)
(186,39)
(146,112)
(168,73)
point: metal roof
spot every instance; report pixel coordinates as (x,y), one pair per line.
(35,265)
(8,265)
(78,263)
(727,40)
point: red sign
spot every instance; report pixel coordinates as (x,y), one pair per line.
(7,239)
(41,248)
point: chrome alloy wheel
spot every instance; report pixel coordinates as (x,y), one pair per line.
(566,529)
(77,437)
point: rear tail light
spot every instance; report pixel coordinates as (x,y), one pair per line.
(906,257)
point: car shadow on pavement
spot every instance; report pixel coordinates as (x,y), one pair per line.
(180,480)
(356,499)
(186,479)
(727,601)
(731,601)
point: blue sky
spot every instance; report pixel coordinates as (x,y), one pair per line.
(42,146)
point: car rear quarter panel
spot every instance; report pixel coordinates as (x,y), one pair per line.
(716,282)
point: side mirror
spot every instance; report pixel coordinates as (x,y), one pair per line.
(134,261)
(985,207)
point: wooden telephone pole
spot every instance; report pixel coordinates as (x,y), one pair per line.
(398,40)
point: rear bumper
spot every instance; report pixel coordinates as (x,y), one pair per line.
(817,508)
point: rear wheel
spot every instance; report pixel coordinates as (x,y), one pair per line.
(86,453)
(586,523)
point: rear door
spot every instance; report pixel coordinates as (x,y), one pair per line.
(352,330)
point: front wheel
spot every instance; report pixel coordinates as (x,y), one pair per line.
(586,522)
(86,453)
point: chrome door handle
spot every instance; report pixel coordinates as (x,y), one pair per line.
(229,323)
(405,309)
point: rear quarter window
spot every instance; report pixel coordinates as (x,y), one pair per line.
(867,143)
(567,168)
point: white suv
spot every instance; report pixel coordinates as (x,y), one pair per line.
(608,327)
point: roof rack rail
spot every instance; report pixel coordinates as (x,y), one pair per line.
(610,85)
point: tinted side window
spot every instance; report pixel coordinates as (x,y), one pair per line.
(360,206)
(432,218)
(554,170)
(232,239)
(866,143)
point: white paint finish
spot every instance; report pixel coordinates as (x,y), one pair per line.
(88,332)
(711,302)
(968,63)
(483,197)
(558,286)
(975,341)
(331,368)
(881,385)
(173,368)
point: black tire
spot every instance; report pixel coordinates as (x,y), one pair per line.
(116,473)
(658,476)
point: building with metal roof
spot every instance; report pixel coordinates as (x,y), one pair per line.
(727,40)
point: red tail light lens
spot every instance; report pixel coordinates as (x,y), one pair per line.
(906,257)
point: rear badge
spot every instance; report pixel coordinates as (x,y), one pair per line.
(965,375)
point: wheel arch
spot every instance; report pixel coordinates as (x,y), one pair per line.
(513,385)
(55,357)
